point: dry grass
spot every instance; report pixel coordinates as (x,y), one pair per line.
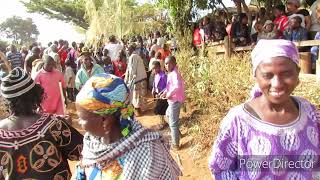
(215,85)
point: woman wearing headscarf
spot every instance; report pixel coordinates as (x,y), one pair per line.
(274,129)
(33,145)
(115,145)
(88,68)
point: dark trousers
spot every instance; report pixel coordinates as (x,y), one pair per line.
(70,94)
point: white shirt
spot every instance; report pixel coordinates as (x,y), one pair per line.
(113,50)
(69,74)
(160,41)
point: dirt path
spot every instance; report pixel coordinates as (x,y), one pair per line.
(192,167)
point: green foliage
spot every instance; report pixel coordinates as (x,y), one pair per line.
(65,10)
(121,18)
(20,30)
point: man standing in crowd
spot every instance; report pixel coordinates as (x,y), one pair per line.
(28,62)
(14,57)
(113,47)
(88,69)
(54,54)
(136,74)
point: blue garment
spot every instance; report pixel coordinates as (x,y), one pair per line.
(108,68)
(15,59)
(314,51)
(300,34)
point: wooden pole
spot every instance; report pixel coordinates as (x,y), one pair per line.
(62,99)
(227,47)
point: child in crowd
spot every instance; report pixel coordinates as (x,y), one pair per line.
(159,85)
(157,57)
(120,65)
(258,26)
(70,77)
(268,30)
(281,20)
(175,93)
(295,32)
(106,62)
(49,78)
(149,73)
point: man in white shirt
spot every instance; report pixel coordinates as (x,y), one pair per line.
(113,47)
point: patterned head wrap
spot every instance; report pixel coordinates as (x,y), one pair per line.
(266,49)
(106,94)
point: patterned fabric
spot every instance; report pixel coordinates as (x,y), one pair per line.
(141,155)
(15,59)
(105,94)
(138,94)
(39,151)
(16,83)
(245,137)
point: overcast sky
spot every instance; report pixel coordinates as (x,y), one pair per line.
(49,29)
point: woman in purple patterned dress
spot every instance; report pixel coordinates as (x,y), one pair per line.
(274,135)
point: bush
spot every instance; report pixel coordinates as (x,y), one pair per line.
(215,85)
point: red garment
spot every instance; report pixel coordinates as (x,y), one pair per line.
(281,23)
(197,40)
(63,54)
(164,53)
(228,29)
(120,68)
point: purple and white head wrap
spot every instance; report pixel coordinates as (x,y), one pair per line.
(267,49)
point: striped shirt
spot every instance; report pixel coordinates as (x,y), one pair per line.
(15,59)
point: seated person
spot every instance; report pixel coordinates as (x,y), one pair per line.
(240,31)
(268,31)
(295,32)
(219,31)
(258,32)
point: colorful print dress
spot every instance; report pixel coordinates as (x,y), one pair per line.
(249,148)
(39,151)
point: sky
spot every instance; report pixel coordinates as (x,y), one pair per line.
(50,29)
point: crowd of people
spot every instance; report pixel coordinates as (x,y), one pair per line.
(289,21)
(110,87)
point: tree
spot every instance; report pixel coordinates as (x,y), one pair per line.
(121,17)
(64,10)
(20,30)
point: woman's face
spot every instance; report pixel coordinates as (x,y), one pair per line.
(94,124)
(277,78)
